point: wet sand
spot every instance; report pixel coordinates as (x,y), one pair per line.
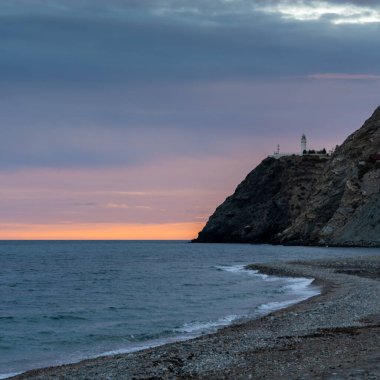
(335,335)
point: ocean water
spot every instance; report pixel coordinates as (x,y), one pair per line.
(63,301)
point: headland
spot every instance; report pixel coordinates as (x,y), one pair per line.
(307,199)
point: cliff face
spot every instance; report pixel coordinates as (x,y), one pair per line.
(344,208)
(308,200)
(266,202)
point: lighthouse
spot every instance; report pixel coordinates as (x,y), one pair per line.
(303,144)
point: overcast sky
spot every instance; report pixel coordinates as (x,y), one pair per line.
(136,118)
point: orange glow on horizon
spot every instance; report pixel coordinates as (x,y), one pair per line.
(168,231)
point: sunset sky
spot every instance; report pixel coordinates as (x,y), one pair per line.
(134,119)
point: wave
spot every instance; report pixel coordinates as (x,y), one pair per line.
(242,269)
(199,326)
(298,283)
(299,288)
(67,317)
(147,344)
(187,331)
(231,268)
(269,307)
(7,318)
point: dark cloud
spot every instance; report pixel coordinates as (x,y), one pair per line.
(146,42)
(122,82)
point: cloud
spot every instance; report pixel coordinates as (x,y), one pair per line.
(344,76)
(124,206)
(212,12)
(117,205)
(124,83)
(100,43)
(336,13)
(158,193)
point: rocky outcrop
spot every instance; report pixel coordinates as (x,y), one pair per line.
(308,200)
(266,202)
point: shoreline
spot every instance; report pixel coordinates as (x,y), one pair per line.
(372,245)
(305,289)
(270,346)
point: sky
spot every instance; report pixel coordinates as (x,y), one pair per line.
(135,119)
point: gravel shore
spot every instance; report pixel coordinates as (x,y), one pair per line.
(335,335)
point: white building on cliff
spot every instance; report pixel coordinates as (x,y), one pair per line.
(303,144)
(304,151)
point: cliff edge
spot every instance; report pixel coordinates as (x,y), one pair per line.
(308,200)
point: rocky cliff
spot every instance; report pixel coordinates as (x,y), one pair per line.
(308,200)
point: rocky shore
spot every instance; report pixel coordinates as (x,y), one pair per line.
(335,335)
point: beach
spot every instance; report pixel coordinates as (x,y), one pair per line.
(335,335)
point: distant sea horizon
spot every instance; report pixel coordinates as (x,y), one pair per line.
(67,300)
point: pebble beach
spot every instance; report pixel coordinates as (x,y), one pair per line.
(335,335)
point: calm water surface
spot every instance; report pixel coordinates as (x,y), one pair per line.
(65,301)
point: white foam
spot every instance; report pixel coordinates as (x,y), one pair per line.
(187,331)
(298,284)
(206,326)
(241,269)
(297,287)
(231,268)
(273,306)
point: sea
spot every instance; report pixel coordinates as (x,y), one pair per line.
(64,301)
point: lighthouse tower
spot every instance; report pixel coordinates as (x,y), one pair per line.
(303,144)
